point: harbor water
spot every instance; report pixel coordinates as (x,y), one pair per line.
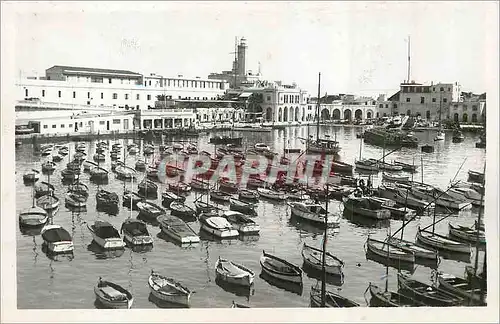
(68,282)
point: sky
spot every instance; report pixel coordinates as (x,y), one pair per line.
(359,47)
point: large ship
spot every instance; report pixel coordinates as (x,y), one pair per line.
(390,136)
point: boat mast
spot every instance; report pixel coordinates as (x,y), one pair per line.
(422,167)
(476,259)
(323,281)
(387,264)
(406,202)
(317,122)
(360,147)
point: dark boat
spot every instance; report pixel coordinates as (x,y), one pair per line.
(427,294)
(181,210)
(406,166)
(112,295)
(461,287)
(220,196)
(390,298)
(131,198)
(427,148)
(149,210)
(280,269)
(248,195)
(43,188)
(135,232)
(179,187)
(381,136)
(332,299)
(203,207)
(458,136)
(218,140)
(148,188)
(168,197)
(107,199)
(241,206)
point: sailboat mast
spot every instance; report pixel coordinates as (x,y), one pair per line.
(319,88)
(476,259)
(387,264)
(323,282)
(408,76)
(406,202)
(422,167)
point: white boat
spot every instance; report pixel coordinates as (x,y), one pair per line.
(298,196)
(419,251)
(57,239)
(112,295)
(280,269)
(149,210)
(75,199)
(32,217)
(177,229)
(48,202)
(394,178)
(313,257)
(389,251)
(218,226)
(272,194)
(261,147)
(105,235)
(242,223)
(442,242)
(313,212)
(440,136)
(168,289)
(233,273)
(136,232)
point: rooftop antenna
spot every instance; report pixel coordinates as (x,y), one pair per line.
(235,65)
(408,77)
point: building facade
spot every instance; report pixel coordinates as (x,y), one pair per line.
(112,89)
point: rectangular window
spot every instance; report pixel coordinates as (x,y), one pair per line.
(395,106)
(407,99)
(434,89)
(70,125)
(62,125)
(116,121)
(45,126)
(53,126)
(422,100)
(474,108)
(381,106)
(433,99)
(268,98)
(102,95)
(102,122)
(88,95)
(74,94)
(445,99)
(386,105)
(149,97)
(126,96)
(149,82)
(137,96)
(449,89)
(455,107)
(441,89)
(465,107)
(168,82)
(96,79)
(115,96)
(59,93)
(81,124)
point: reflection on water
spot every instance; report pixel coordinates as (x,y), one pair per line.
(72,282)
(235,289)
(288,286)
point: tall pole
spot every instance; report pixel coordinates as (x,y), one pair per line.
(477,228)
(408,77)
(422,167)
(319,87)
(323,282)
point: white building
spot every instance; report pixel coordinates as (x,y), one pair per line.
(74,87)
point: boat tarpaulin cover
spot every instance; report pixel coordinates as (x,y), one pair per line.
(105,230)
(56,235)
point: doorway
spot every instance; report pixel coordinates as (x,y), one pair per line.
(107,125)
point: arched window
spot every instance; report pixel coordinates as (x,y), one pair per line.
(279,114)
(474,118)
(464,118)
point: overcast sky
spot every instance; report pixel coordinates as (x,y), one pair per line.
(358,47)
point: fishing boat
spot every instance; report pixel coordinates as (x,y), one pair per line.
(394,178)
(133,149)
(218,226)
(460,287)
(46,151)
(179,187)
(148,149)
(177,229)
(218,140)
(405,166)
(313,212)
(203,207)
(135,232)
(250,195)
(367,165)
(261,147)
(389,251)
(242,223)
(131,198)
(272,194)
(402,197)
(439,197)
(200,185)
(48,202)
(380,298)
(410,247)
(388,166)
(475,176)
(105,235)
(227,186)
(33,217)
(63,151)
(466,233)
(56,158)
(147,187)
(168,289)
(365,207)
(107,199)
(233,273)
(79,188)
(87,165)
(242,206)
(99,157)
(149,210)
(124,172)
(99,173)
(468,194)
(181,210)
(280,269)
(425,293)
(57,239)
(48,166)
(313,258)
(43,188)
(332,299)
(112,295)
(81,147)
(75,199)
(31,176)
(427,148)
(152,172)
(440,136)
(341,167)
(220,196)
(168,197)
(140,165)
(442,242)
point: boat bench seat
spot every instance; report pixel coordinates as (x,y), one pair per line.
(112,293)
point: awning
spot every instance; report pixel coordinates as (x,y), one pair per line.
(245,95)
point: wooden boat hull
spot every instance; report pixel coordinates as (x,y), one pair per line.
(48,202)
(375,214)
(333,220)
(173,298)
(333,299)
(332,267)
(443,243)
(380,298)
(419,252)
(467,234)
(273,195)
(460,287)
(294,277)
(429,295)
(220,233)
(395,253)
(137,240)
(245,280)
(121,304)
(184,236)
